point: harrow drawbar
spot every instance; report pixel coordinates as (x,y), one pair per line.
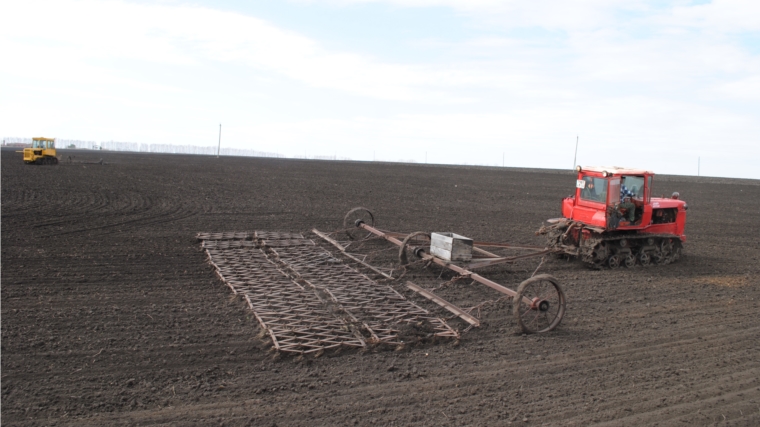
(538,303)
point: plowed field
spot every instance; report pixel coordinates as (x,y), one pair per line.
(111,314)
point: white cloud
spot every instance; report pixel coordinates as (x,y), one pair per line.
(725,16)
(185,36)
(547,14)
(747,88)
(589,15)
(632,79)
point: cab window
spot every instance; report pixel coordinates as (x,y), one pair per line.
(593,188)
(634,185)
(42,144)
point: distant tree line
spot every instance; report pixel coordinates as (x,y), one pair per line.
(317,157)
(147,148)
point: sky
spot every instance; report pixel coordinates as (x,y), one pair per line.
(670,86)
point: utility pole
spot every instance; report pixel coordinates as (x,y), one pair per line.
(502,159)
(219,148)
(575,158)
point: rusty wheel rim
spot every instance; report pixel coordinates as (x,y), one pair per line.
(412,245)
(539,304)
(353,219)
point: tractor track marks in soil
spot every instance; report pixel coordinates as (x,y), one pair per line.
(134,219)
(111,314)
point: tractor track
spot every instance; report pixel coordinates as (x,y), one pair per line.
(112,315)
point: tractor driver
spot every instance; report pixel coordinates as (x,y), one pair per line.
(589,192)
(629,208)
(624,191)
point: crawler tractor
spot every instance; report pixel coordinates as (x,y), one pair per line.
(42,152)
(613,220)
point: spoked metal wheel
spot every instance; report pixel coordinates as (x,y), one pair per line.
(539,304)
(353,219)
(614,261)
(629,260)
(671,249)
(657,256)
(413,245)
(644,258)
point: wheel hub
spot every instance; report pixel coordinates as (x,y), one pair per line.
(540,305)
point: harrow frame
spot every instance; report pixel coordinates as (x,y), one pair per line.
(539,303)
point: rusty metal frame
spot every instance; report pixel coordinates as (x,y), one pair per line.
(306,300)
(446,264)
(422,291)
(293,316)
(380,308)
(496,260)
(467,317)
(530,302)
(481,257)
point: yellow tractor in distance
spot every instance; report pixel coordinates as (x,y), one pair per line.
(41,153)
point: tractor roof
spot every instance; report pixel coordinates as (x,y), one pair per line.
(616,170)
(39,138)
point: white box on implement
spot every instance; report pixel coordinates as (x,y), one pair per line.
(451,247)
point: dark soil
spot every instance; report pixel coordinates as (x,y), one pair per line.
(111,314)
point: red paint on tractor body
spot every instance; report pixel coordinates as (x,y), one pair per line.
(598,196)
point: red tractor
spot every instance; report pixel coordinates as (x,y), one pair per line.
(613,220)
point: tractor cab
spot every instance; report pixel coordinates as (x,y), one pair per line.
(612,219)
(43,143)
(605,196)
(42,151)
